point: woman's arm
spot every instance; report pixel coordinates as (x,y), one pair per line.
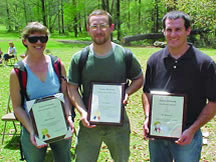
(19,111)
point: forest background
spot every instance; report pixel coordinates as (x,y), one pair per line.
(131,17)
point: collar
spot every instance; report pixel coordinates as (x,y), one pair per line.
(187,55)
(109,53)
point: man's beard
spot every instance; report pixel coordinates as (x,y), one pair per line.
(100,41)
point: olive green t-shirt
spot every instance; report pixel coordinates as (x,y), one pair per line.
(110,68)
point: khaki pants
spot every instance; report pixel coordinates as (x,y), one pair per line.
(117,139)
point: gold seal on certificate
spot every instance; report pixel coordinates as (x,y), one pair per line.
(105,104)
(167,115)
(48,118)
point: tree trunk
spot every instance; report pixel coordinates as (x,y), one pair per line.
(38,11)
(25,12)
(118,23)
(43,12)
(128,21)
(62,16)
(8,16)
(80,24)
(59,17)
(75,19)
(112,6)
(105,5)
(16,14)
(139,13)
(49,19)
(85,21)
(128,39)
(157,17)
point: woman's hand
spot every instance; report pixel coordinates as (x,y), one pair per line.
(33,141)
(71,125)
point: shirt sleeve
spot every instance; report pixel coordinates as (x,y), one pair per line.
(135,70)
(147,82)
(73,72)
(211,82)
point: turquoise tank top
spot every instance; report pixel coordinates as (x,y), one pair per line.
(35,88)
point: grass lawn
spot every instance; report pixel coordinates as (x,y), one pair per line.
(9,151)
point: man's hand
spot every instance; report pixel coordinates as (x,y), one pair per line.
(146,129)
(85,122)
(186,137)
(126,98)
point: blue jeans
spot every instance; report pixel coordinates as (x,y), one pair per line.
(60,149)
(117,139)
(167,151)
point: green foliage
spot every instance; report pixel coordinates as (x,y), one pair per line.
(136,16)
(203,17)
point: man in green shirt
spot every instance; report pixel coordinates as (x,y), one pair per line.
(105,63)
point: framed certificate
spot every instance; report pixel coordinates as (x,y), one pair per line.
(105,103)
(48,118)
(167,115)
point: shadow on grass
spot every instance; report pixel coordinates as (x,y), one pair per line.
(49,156)
(14,143)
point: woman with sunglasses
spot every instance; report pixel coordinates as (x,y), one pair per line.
(42,81)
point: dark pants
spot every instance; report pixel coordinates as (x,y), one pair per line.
(7,57)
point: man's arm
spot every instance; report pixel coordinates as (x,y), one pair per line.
(78,103)
(146,109)
(206,115)
(67,103)
(134,86)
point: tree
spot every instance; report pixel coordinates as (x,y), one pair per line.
(75,23)
(62,16)
(105,5)
(25,11)
(43,12)
(8,16)
(118,23)
(203,16)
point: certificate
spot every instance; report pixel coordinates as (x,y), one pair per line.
(105,104)
(167,115)
(48,119)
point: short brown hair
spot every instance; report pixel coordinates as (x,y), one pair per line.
(34,27)
(101,12)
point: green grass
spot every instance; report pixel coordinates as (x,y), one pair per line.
(9,151)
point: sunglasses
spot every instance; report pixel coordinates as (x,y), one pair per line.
(34,39)
(101,26)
